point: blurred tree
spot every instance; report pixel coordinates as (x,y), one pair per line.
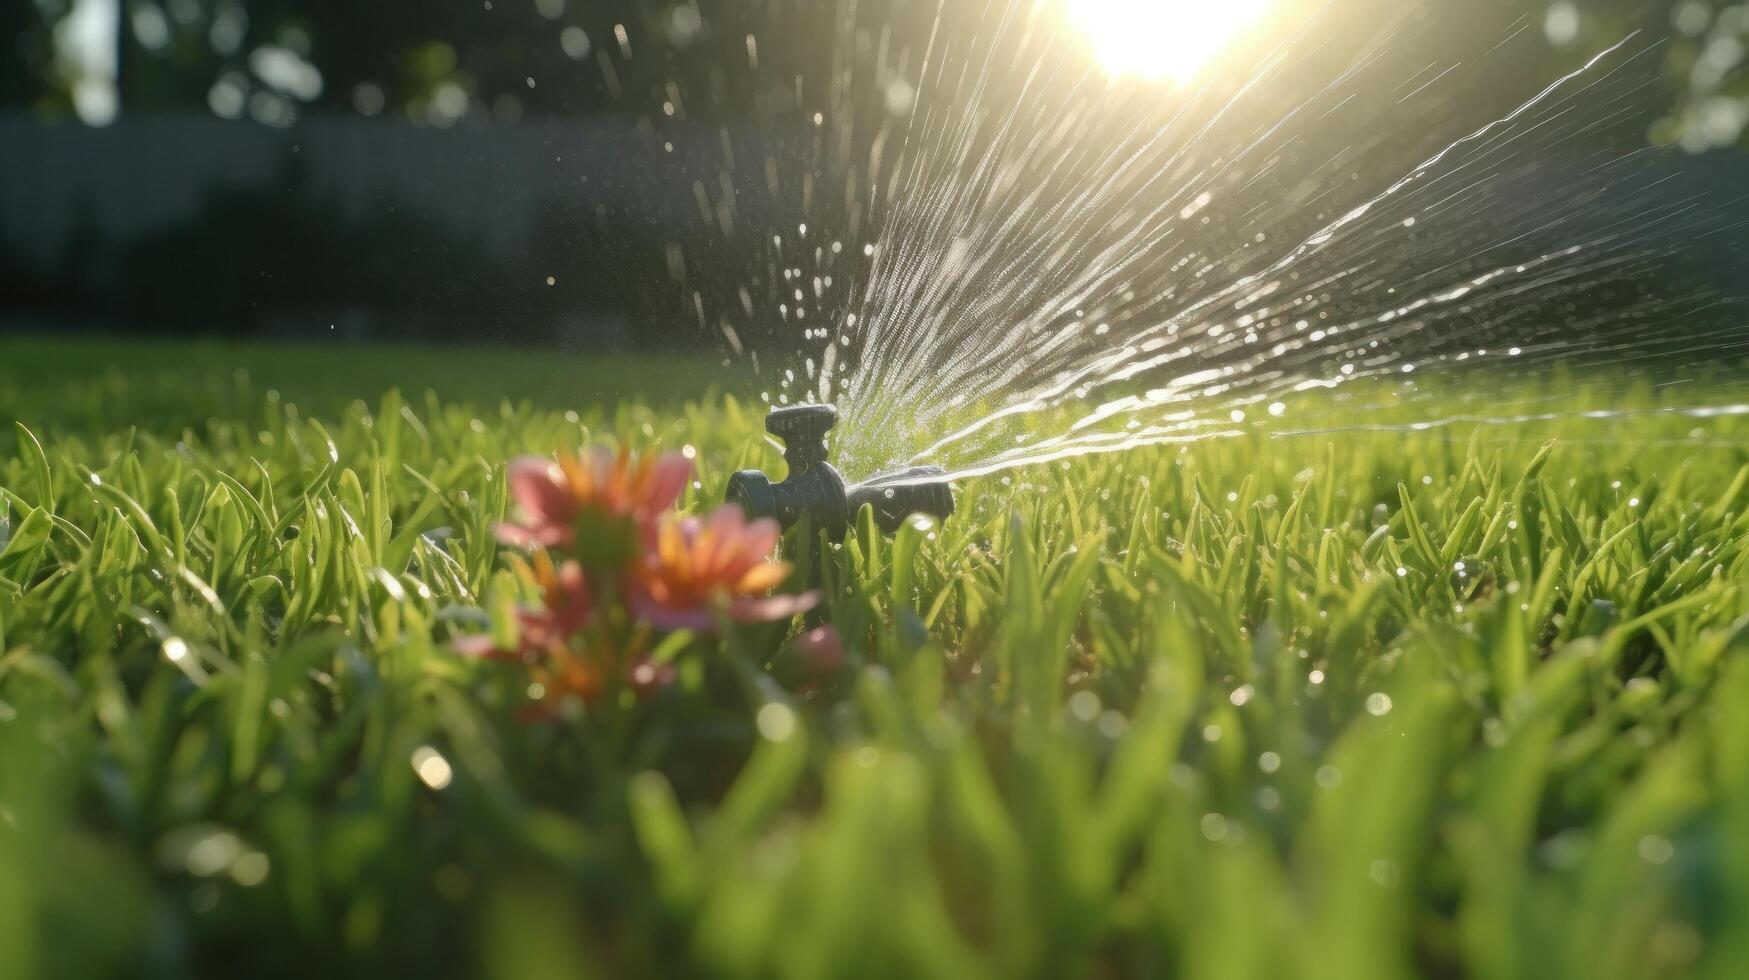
(1708,55)
(439,62)
(1702,43)
(24,54)
(450,62)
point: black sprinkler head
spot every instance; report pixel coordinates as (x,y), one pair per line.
(803,430)
(816,489)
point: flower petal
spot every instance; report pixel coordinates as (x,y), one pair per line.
(762,536)
(481,647)
(571,603)
(698,619)
(762,578)
(538,487)
(668,480)
(770,610)
(545,535)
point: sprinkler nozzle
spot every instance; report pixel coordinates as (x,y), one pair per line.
(899,495)
(803,430)
(816,489)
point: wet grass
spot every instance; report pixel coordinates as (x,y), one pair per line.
(1356,704)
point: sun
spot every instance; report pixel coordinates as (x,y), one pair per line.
(1161,39)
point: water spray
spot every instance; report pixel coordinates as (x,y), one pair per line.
(817,490)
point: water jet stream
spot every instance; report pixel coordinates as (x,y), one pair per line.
(1065,262)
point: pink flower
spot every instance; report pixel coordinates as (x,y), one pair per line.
(810,662)
(598,490)
(547,629)
(821,651)
(566,654)
(721,566)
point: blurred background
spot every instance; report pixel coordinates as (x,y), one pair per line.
(591,174)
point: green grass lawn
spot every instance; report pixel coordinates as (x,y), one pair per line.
(1364,703)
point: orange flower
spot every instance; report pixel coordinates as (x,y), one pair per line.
(566,675)
(599,492)
(558,642)
(545,630)
(723,565)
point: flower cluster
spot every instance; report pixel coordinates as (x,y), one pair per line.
(616,567)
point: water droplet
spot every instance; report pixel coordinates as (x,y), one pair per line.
(1085,706)
(1385,873)
(776,722)
(1214,827)
(1655,849)
(431,767)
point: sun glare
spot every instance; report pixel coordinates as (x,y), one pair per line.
(1161,39)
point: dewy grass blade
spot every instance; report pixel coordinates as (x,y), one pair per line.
(39,467)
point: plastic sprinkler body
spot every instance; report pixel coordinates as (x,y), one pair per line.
(815,488)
